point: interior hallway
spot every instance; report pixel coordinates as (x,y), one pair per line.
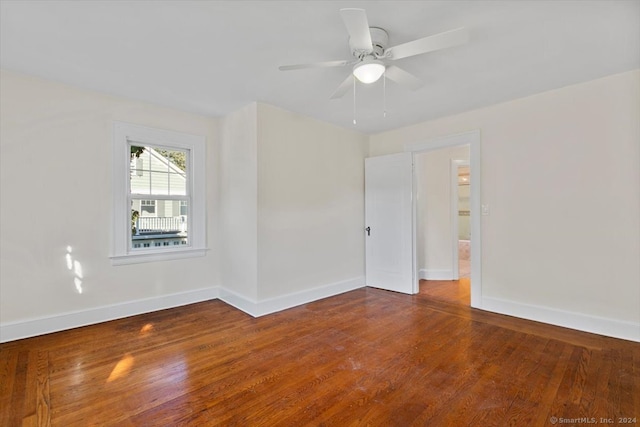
(452,291)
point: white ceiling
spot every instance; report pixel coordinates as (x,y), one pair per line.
(213,57)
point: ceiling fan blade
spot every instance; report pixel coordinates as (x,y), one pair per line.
(403,78)
(429,44)
(326,64)
(358,28)
(343,88)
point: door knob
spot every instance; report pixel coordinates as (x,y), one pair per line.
(368,231)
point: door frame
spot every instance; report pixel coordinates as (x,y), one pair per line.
(455,166)
(472,139)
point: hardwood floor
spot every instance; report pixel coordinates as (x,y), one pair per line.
(366,357)
(451,291)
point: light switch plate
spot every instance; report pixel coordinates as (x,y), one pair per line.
(485,209)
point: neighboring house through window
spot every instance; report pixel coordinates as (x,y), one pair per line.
(158,194)
(148,207)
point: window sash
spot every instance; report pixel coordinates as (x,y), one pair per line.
(159,195)
(148,177)
(187,199)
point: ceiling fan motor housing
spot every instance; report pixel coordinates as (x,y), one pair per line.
(380,41)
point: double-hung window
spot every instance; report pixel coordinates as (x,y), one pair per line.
(159,194)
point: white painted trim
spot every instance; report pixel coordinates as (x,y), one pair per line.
(455,140)
(44,325)
(453,215)
(123,134)
(159,255)
(272,305)
(472,139)
(283,302)
(75,319)
(242,303)
(475,204)
(414,227)
(60,322)
(436,274)
(580,321)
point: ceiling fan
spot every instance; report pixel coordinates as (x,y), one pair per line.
(369,47)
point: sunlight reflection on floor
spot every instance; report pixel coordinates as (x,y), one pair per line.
(146,329)
(122,368)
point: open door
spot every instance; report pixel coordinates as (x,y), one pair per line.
(389,222)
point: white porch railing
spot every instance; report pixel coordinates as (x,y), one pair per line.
(152,224)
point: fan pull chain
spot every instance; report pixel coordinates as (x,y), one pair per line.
(384,94)
(354,101)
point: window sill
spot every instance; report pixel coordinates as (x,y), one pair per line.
(168,255)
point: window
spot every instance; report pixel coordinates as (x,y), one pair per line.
(158,194)
(147,207)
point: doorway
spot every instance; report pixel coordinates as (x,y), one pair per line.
(435,260)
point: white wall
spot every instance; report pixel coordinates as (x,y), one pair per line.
(310,203)
(557,172)
(561,173)
(56,163)
(238,169)
(292,209)
(434,239)
(299,180)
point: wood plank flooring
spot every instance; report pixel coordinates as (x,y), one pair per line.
(364,358)
(451,291)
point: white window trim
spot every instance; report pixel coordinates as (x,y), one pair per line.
(122,134)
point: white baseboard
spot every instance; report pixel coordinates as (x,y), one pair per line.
(582,322)
(59,322)
(44,325)
(425,274)
(242,303)
(283,302)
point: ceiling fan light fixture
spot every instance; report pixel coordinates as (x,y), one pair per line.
(369,71)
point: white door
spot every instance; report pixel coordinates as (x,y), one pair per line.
(389,222)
